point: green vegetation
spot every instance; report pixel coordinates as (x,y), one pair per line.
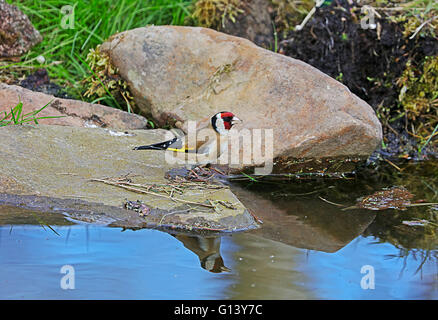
(417,85)
(419,95)
(417,17)
(65,50)
(16,116)
(213,13)
(104,83)
(290,13)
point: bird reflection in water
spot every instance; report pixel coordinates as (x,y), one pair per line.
(208,251)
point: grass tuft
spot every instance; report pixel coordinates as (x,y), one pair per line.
(16,116)
(94,22)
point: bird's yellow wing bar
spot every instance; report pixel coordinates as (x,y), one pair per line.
(185,149)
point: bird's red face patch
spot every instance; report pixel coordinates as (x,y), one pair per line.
(227,117)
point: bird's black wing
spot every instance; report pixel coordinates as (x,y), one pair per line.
(174,143)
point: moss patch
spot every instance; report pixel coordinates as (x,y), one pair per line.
(105,84)
(419,95)
(289,13)
(213,13)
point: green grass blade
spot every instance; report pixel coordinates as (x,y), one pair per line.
(430,138)
(249,177)
(101,83)
(41,118)
(13,115)
(35,112)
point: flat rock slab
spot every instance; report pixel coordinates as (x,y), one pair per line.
(70,112)
(52,168)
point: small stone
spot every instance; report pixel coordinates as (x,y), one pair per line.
(40,59)
(17,34)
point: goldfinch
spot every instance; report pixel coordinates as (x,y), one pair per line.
(216,143)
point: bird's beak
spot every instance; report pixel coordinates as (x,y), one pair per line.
(235,120)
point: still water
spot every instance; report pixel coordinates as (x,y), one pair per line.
(307,248)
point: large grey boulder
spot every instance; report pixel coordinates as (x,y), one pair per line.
(187,73)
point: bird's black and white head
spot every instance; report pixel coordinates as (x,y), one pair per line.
(223,121)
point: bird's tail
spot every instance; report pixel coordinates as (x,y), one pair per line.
(157,146)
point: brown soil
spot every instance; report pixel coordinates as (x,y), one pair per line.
(334,42)
(40,81)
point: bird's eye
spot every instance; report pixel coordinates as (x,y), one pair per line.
(227,119)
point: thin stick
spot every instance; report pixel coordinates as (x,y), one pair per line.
(309,15)
(255,217)
(350,208)
(219,171)
(167,214)
(422,204)
(407,206)
(303,194)
(392,129)
(420,27)
(395,166)
(211,229)
(335,204)
(151,193)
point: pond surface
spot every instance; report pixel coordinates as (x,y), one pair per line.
(307,248)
